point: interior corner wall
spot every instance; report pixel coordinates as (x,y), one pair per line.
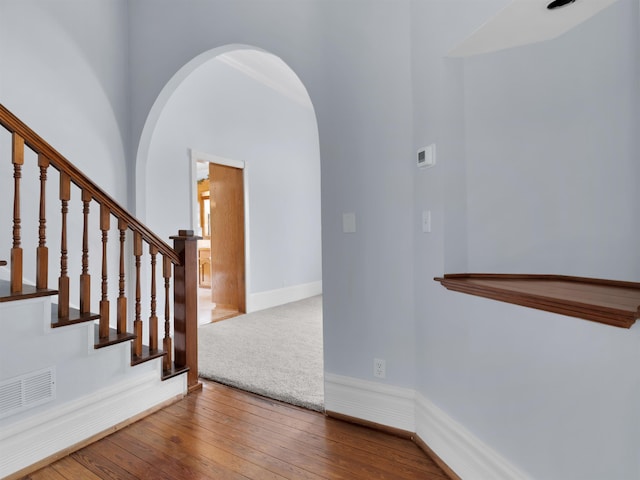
(551,153)
(554,395)
(64,73)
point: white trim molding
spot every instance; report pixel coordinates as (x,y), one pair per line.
(208,157)
(371,401)
(405,409)
(464,453)
(273,298)
(269,70)
(36,438)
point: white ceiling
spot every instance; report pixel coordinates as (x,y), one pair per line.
(524,22)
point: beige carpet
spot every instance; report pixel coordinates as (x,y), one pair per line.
(275,352)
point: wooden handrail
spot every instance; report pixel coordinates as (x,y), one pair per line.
(12,123)
(183,256)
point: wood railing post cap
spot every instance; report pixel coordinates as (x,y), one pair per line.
(185,235)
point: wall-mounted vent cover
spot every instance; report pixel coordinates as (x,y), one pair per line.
(427,156)
(20,393)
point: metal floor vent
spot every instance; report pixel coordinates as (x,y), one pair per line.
(29,390)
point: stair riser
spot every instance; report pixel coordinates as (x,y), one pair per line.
(80,372)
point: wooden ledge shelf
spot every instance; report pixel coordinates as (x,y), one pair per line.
(605,301)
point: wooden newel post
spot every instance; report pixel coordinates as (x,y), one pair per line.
(185,300)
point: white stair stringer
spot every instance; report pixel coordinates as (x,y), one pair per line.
(95,389)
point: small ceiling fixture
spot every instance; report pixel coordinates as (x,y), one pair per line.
(559,3)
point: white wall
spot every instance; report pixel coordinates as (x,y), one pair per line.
(551,153)
(64,71)
(219,110)
(353,58)
(554,395)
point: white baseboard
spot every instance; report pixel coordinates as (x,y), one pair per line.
(465,454)
(37,438)
(405,409)
(280,296)
(371,401)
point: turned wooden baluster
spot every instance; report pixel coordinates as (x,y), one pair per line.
(16,251)
(166,341)
(42,252)
(122,299)
(63,281)
(85,278)
(137,323)
(153,319)
(105,223)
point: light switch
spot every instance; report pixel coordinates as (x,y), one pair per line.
(349,222)
(426,221)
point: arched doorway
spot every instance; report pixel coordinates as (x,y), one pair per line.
(246,105)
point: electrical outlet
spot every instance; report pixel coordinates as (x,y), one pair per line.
(379,368)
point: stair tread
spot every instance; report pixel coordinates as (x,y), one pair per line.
(113,338)
(74,317)
(147,354)
(28,291)
(174,371)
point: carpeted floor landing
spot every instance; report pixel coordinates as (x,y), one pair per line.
(275,352)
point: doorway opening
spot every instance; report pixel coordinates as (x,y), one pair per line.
(239,102)
(219,212)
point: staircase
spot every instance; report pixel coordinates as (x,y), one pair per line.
(104,366)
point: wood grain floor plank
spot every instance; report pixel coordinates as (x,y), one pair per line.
(343,457)
(187,437)
(359,440)
(71,470)
(232,396)
(188,462)
(128,461)
(223,433)
(49,474)
(101,466)
(168,465)
(306,466)
(336,453)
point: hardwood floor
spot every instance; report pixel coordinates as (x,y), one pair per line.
(222,433)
